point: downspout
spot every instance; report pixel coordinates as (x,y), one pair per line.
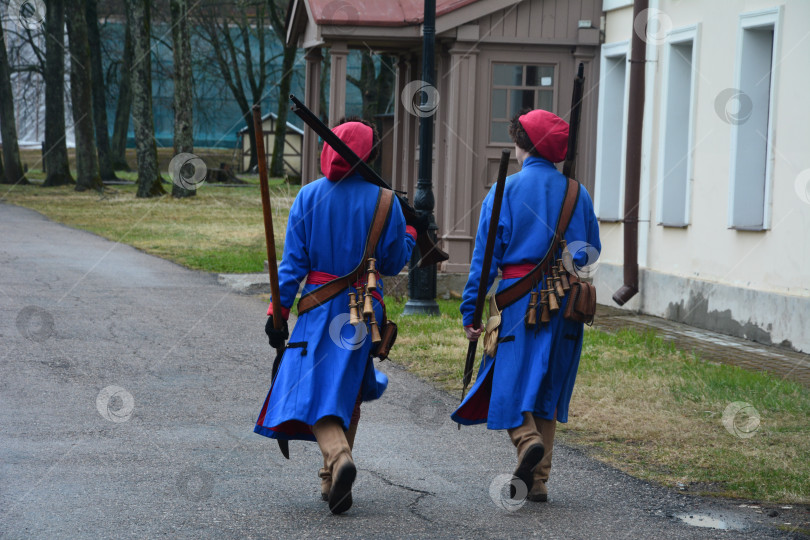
(632,179)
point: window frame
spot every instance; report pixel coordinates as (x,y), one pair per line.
(493,87)
(675,37)
(611,51)
(753,20)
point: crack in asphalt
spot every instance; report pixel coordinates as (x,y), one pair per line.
(392,483)
(412,506)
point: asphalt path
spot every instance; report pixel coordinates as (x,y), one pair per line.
(129,391)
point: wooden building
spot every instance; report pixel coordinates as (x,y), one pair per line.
(293,142)
(493,58)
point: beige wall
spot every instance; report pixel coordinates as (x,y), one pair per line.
(775,260)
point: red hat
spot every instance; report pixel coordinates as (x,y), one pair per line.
(357,136)
(548,133)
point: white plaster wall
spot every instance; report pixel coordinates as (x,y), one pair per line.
(776,260)
(618,28)
(736,266)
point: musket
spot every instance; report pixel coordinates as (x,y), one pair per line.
(428,250)
(485,267)
(272,267)
(573,125)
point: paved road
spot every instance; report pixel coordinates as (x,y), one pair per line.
(128,394)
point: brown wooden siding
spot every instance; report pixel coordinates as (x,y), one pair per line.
(540,20)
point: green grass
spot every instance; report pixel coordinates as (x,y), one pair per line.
(219,230)
(651,410)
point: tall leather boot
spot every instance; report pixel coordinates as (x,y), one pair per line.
(547,429)
(530,450)
(325,474)
(338,461)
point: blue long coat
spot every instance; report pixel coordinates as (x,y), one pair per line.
(534,373)
(327,362)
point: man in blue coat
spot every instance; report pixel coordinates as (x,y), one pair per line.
(526,388)
(327,368)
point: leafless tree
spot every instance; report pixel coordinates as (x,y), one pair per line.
(105,162)
(13,173)
(81,93)
(55,158)
(183,87)
(149,180)
(277,20)
(234,32)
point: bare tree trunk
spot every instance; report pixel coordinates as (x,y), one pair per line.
(8,126)
(124,106)
(277,22)
(105,165)
(277,163)
(149,181)
(55,159)
(183,91)
(81,96)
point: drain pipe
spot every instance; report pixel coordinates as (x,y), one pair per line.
(632,178)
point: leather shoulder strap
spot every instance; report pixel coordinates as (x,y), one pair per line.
(521,288)
(326,292)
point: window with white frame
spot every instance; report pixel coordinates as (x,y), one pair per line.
(611,129)
(748,109)
(675,155)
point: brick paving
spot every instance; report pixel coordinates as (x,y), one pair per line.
(711,346)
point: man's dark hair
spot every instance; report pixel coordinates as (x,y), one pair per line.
(520,137)
(375,137)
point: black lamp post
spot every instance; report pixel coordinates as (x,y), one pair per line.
(422,281)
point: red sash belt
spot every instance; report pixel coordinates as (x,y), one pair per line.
(322,278)
(512,271)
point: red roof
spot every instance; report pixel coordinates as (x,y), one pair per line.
(377,12)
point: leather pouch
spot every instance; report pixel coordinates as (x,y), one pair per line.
(581,305)
(388,335)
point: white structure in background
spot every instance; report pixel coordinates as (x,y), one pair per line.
(29,89)
(724,235)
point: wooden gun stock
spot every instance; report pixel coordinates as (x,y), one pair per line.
(429,252)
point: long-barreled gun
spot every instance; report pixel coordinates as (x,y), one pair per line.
(486,265)
(569,166)
(428,250)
